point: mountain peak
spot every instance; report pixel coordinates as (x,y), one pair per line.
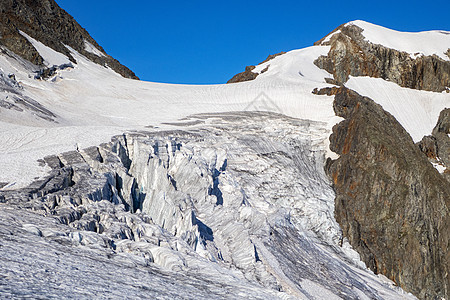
(47,23)
(424,43)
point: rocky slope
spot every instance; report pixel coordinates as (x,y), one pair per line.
(391,203)
(46,22)
(383,201)
(437,146)
(351,54)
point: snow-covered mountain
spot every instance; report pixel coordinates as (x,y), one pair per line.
(113,187)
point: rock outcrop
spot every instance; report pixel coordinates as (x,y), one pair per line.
(436,147)
(248,75)
(46,22)
(352,55)
(391,203)
(442,135)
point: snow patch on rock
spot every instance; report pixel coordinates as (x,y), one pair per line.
(50,56)
(417,111)
(435,42)
(92,49)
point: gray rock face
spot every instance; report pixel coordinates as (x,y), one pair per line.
(45,21)
(351,55)
(391,203)
(428,146)
(442,135)
(437,146)
(240,207)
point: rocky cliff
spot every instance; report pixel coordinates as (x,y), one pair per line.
(352,55)
(437,145)
(442,135)
(391,203)
(46,22)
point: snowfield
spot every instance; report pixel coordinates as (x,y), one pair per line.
(232,177)
(417,111)
(92,103)
(435,42)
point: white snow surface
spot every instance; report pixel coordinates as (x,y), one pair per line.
(417,111)
(328,37)
(50,56)
(92,49)
(416,43)
(93,102)
(441,169)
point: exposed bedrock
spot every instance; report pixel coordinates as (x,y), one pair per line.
(248,75)
(391,203)
(45,21)
(351,55)
(442,135)
(437,145)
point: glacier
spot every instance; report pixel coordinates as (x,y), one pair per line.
(235,198)
(128,189)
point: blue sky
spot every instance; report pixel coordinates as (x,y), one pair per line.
(206,42)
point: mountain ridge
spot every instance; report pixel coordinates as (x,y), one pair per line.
(414,67)
(51,25)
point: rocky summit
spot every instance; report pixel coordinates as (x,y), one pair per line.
(321,172)
(352,55)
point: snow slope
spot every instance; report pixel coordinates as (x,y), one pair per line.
(92,49)
(50,56)
(435,42)
(417,111)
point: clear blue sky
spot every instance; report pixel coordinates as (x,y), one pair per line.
(210,41)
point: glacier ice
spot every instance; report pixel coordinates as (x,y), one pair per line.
(237,206)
